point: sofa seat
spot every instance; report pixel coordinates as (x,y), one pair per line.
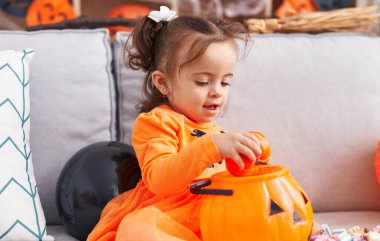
(335,220)
(348,219)
(59,233)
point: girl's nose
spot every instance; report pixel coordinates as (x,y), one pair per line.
(215,91)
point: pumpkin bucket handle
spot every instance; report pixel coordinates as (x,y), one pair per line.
(198,188)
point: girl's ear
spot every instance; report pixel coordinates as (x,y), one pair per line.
(160,81)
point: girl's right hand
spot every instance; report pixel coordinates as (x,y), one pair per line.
(232,144)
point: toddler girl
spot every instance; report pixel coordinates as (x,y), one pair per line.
(189,63)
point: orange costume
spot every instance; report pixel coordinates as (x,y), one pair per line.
(172,152)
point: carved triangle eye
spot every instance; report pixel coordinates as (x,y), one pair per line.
(296,217)
(274,208)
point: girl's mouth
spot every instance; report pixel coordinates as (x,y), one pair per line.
(211,107)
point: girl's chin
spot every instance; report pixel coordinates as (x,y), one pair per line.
(204,116)
(201,119)
(206,119)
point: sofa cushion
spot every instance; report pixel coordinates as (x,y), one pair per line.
(315,97)
(72,99)
(129,84)
(21,214)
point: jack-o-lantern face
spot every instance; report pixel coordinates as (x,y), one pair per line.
(269,205)
(128,12)
(49,11)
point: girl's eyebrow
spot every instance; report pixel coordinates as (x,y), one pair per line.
(210,74)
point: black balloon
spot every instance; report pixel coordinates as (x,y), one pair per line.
(92,177)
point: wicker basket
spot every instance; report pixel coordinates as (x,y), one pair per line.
(342,20)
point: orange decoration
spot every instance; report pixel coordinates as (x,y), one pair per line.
(377,163)
(249,167)
(128,12)
(294,7)
(269,205)
(233,168)
(49,11)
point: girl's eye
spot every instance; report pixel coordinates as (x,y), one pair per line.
(201,83)
(226,84)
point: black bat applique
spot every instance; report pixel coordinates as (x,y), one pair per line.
(199,133)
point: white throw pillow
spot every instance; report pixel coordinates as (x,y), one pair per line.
(21,214)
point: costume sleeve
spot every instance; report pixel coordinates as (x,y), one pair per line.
(165,170)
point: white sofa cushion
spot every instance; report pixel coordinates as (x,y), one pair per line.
(316,97)
(129,84)
(72,99)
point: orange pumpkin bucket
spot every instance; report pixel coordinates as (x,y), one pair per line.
(269,205)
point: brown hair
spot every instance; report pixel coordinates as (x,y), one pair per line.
(160,46)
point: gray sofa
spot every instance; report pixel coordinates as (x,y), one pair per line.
(315,97)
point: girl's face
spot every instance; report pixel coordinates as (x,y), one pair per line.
(200,89)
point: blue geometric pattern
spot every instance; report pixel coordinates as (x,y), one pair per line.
(21,214)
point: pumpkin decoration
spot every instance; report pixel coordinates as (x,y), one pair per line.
(269,205)
(129,11)
(249,167)
(377,163)
(49,11)
(293,7)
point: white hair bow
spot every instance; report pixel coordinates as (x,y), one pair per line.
(165,14)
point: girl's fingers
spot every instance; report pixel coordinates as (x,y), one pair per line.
(238,160)
(257,150)
(252,137)
(244,150)
(252,142)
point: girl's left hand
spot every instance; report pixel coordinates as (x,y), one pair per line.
(233,145)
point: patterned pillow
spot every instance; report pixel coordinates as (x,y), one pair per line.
(21,214)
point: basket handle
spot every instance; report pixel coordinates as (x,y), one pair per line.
(198,188)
